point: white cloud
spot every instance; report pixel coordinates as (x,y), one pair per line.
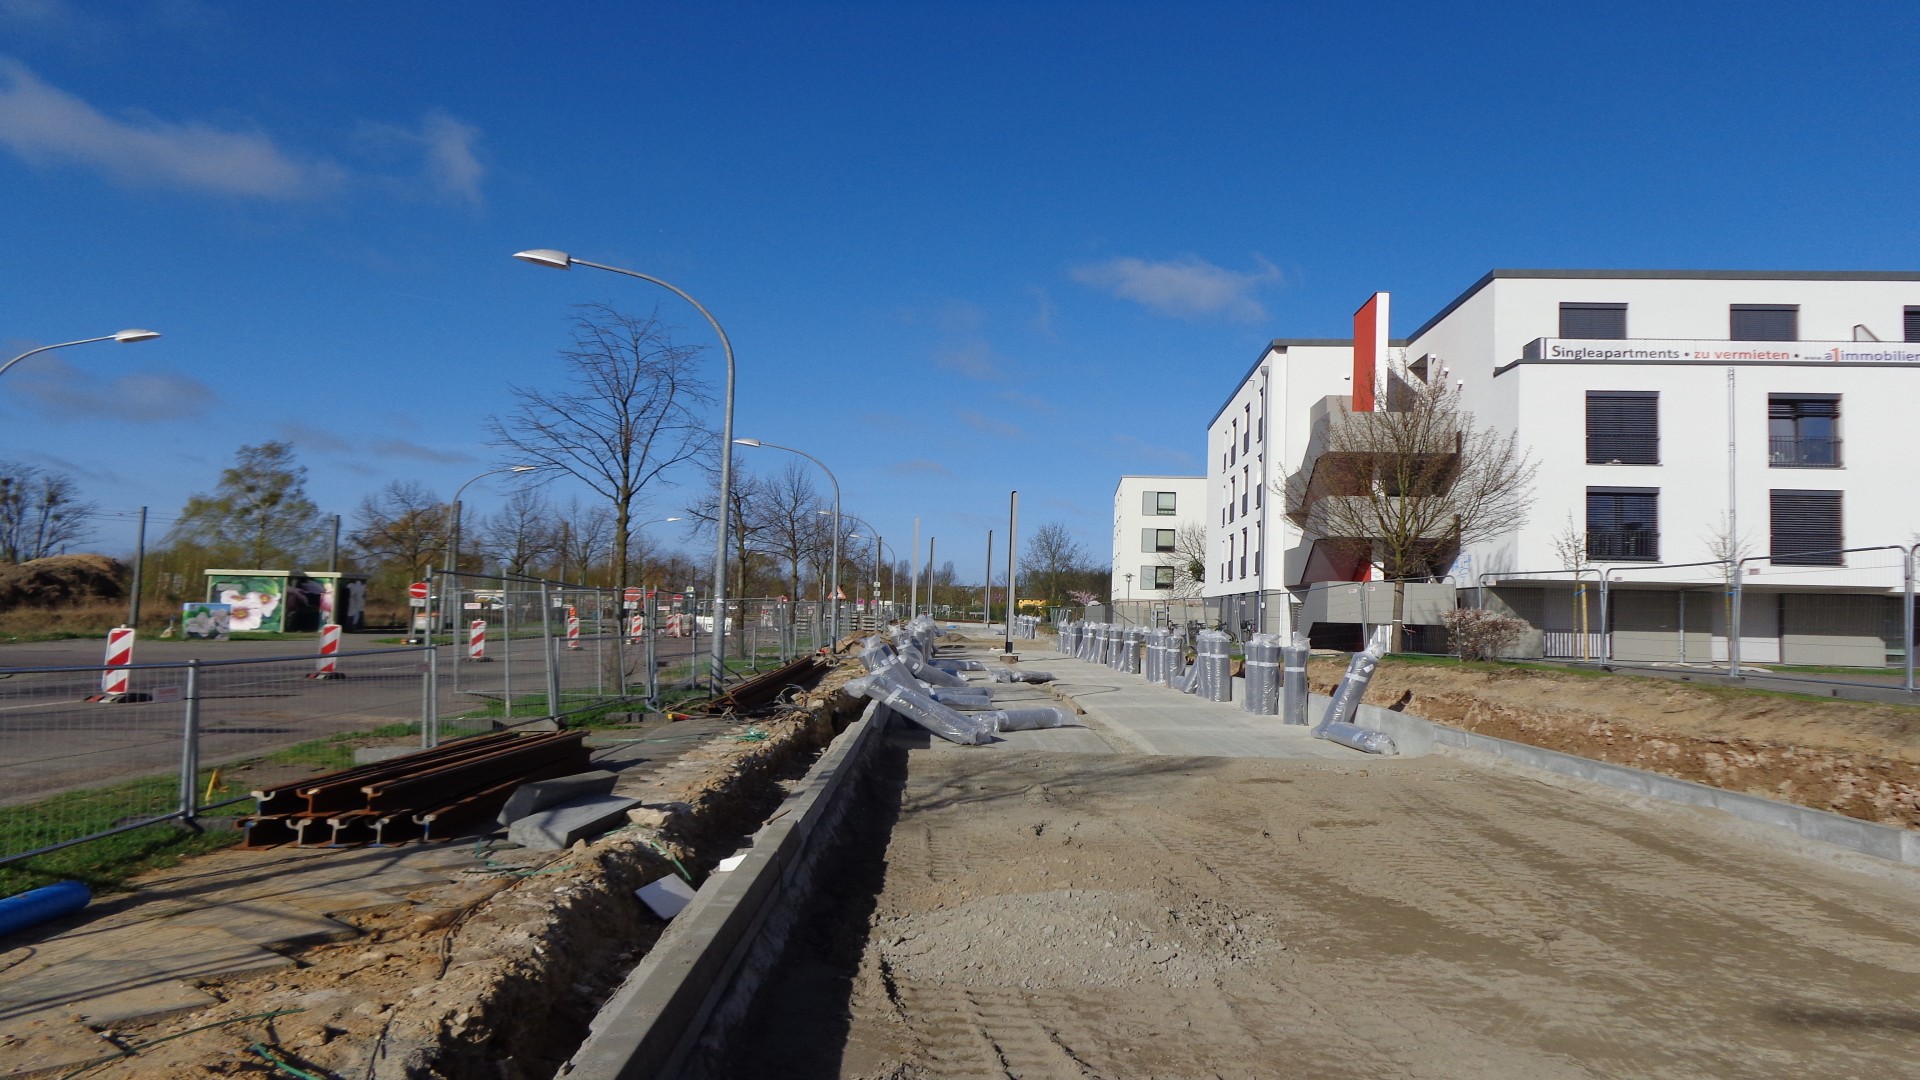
(451,163)
(46,126)
(136,398)
(974,361)
(400,448)
(1189,287)
(988,426)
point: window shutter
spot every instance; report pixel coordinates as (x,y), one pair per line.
(1795,406)
(1623,426)
(1805,528)
(1764,322)
(1593,321)
(1913,324)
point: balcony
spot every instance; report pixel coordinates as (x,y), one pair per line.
(1623,545)
(1803,453)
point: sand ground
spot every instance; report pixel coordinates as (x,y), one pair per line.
(1044,915)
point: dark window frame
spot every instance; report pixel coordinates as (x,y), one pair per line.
(1806,527)
(1763,322)
(1619,530)
(1910,322)
(1803,431)
(1593,322)
(1624,429)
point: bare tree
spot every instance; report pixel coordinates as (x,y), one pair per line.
(747,524)
(1405,488)
(786,526)
(1051,562)
(582,540)
(1188,559)
(630,417)
(403,526)
(1570,547)
(521,533)
(40,513)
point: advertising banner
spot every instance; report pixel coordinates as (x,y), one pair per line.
(256,602)
(1656,350)
(205,622)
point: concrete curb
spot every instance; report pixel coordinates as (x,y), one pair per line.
(678,1004)
(1417,737)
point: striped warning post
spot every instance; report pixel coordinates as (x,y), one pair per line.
(636,627)
(676,625)
(114,681)
(573,627)
(328,666)
(477,642)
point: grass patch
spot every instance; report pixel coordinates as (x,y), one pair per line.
(1815,669)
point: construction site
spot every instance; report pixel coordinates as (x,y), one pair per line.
(983,851)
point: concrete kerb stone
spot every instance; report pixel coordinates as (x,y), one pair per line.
(699,978)
(1417,737)
(557,827)
(540,794)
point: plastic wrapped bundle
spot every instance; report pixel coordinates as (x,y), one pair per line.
(1015,675)
(1263,675)
(886,686)
(959,665)
(1293,687)
(1045,716)
(969,698)
(917,664)
(1346,696)
(1216,666)
(1151,670)
(1175,673)
(1092,642)
(1365,740)
(1136,638)
(875,652)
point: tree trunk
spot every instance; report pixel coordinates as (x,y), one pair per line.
(1399,613)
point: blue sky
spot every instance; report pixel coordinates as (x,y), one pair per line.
(959,248)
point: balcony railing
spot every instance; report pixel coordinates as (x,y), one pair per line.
(1612,544)
(1793,453)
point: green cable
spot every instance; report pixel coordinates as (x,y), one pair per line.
(89,1066)
(670,858)
(280,1064)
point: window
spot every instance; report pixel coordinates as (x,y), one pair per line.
(1596,321)
(1805,528)
(1623,427)
(1246,436)
(1246,488)
(1233,495)
(1803,431)
(1623,524)
(1156,539)
(1764,322)
(1163,503)
(1162,577)
(1243,553)
(1912,319)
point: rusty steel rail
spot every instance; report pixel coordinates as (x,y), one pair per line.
(762,690)
(426,795)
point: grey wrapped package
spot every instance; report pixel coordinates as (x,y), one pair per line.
(1293,687)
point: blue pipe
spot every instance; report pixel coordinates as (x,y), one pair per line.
(36,906)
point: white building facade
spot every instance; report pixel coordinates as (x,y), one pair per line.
(1148,514)
(1672,415)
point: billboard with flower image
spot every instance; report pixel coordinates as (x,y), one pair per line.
(256,600)
(205,622)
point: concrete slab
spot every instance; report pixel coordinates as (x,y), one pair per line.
(558,827)
(541,794)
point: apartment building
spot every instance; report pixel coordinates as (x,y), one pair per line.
(1148,514)
(1673,415)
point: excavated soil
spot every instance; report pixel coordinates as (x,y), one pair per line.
(1036,915)
(1853,758)
(499,978)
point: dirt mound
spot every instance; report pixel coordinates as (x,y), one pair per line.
(60,580)
(1854,758)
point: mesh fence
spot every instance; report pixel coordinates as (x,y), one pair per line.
(77,762)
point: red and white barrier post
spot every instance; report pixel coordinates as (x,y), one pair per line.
(327,667)
(477,642)
(119,674)
(636,628)
(573,627)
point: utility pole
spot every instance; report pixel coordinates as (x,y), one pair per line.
(139,561)
(1013,561)
(986,586)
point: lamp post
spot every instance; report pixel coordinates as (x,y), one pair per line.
(124,335)
(453,527)
(560,260)
(833,605)
(879,553)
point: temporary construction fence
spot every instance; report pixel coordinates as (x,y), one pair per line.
(1845,608)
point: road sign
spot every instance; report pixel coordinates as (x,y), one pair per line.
(634,596)
(417,590)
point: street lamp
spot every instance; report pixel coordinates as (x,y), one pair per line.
(560,260)
(124,335)
(453,525)
(833,605)
(879,553)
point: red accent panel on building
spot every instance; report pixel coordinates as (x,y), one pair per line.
(1366,350)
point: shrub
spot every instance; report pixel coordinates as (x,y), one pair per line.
(1482,635)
